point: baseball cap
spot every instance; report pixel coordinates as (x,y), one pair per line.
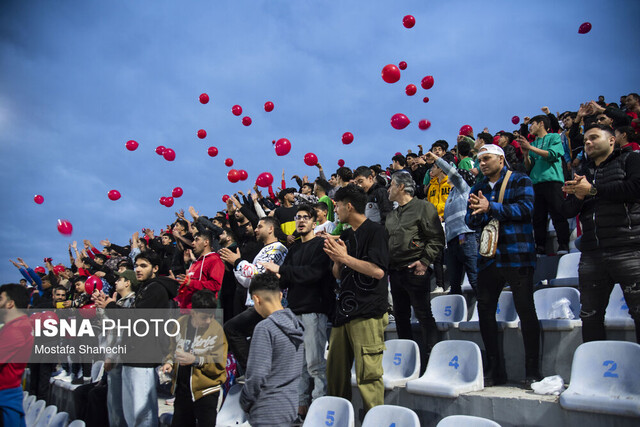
(491,149)
(130,275)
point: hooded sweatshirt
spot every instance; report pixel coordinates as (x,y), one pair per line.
(206,273)
(270,394)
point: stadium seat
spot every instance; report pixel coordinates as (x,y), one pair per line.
(231,414)
(330,410)
(449,311)
(96,371)
(390,415)
(567,274)
(466,285)
(77,423)
(506,314)
(34,412)
(544,300)
(26,403)
(454,367)
(617,315)
(466,421)
(546,268)
(400,362)
(605,379)
(45,416)
(59,420)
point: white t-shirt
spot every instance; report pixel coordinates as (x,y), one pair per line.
(328,226)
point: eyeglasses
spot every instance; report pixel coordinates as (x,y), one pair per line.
(302,218)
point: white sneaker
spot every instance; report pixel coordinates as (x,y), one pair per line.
(61,375)
(438,290)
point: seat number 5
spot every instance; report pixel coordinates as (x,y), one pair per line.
(330,418)
(397,359)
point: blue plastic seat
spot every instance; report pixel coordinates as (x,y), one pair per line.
(617,315)
(231,414)
(390,415)
(567,274)
(605,379)
(454,367)
(506,314)
(46,416)
(544,300)
(34,412)
(330,410)
(466,421)
(400,362)
(59,420)
(449,311)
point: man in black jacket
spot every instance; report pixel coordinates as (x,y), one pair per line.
(378,204)
(306,272)
(607,196)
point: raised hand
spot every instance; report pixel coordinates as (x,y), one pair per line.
(478,203)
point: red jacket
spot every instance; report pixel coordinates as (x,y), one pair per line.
(16,344)
(205,273)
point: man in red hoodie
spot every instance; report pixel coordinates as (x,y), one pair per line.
(16,344)
(205,273)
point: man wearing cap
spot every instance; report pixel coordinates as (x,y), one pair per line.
(513,262)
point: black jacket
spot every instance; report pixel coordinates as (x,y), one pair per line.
(611,218)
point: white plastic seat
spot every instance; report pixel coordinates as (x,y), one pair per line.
(390,415)
(45,416)
(605,379)
(544,300)
(449,311)
(77,423)
(96,371)
(466,285)
(617,315)
(466,421)
(34,412)
(400,362)
(231,414)
(454,367)
(567,274)
(506,314)
(59,420)
(330,410)
(26,404)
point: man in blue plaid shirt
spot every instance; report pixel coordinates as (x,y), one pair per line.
(513,263)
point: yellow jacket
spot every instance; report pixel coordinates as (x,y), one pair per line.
(438,193)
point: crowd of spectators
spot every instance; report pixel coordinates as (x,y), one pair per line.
(353,247)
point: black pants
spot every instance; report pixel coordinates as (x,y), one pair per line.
(40,376)
(599,271)
(187,413)
(91,404)
(491,280)
(409,290)
(239,331)
(438,268)
(548,199)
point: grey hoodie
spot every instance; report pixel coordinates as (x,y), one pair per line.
(270,394)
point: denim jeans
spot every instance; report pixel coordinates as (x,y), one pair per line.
(409,290)
(313,382)
(462,254)
(114,396)
(139,396)
(491,280)
(598,272)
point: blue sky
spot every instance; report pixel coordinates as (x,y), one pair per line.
(81,78)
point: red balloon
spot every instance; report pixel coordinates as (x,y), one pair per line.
(131,145)
(496,139)
(427,82)
(236,110)
(340,163)
(177,192)
(233,175)
(92,283)
(402,65)
(425,99)
(202,134)
(390,73)
(515,120)
(246,120)
(213,151)
(88,311)
(225,198)
(168,202)
(466,130)
(163,200)
(160,150)
(424,124)
(408,21)
(228,162)
(310,159)
(169,154)
(584,28)
(411,89)
(399,121)
(347,138)
(283,146)
(243,175)
(114,195)
(204,98)
(65,227)
(398,153)
(268,106)
(265,179)
(38,199)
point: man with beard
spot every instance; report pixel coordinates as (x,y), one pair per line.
(205,273)
(241,326)
(307,274)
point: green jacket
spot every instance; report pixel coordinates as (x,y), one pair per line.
(547,169)
(415,233)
